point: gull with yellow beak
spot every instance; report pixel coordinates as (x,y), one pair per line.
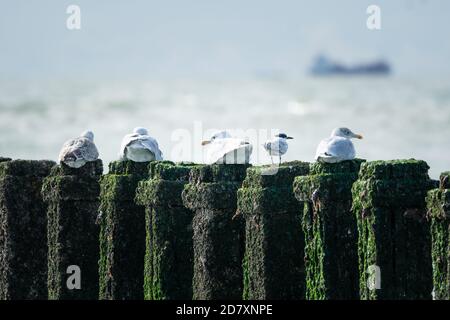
(222,148)
(338,147)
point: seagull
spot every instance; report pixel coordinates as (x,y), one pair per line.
(139,147)
(338,147)
(76,152)
(225,149)
(277,146)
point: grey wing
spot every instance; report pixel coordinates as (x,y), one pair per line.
(322,148)
(278,146)
(127,139)
(76,149)
(152,145)
(88,150)
(283,146)
(67,151)
(342,148)
(275,146)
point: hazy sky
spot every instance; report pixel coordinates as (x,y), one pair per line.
(212,38)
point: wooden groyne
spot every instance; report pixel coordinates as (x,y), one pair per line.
(273,265)
(72,198)
(23,229)
(393,231)
(438,205)
(218,237)
(168,224)
(331,260)
(161,230)
(122,232)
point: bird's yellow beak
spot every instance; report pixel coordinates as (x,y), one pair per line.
(205,142)
(358,136)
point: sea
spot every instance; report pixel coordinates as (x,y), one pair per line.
(400,118)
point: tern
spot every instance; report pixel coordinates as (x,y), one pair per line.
(278,146)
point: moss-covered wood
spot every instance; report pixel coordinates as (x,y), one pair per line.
(444,181)
(23,229)
(72,197)
(394,244)
(331,260)
(218,239)
(122,232)
(438,205)
(274,240)
(168,251)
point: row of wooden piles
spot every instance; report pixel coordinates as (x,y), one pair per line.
(159,230)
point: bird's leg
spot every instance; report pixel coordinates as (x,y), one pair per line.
(280,160)
(271,159)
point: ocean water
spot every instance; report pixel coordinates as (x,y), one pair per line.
(398,117)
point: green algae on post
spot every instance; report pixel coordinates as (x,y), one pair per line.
(218,239)
(23,231)
(273,266)
(72,198)
(394,243)
(438,205)
(331,262)
(122,232)
(168,246)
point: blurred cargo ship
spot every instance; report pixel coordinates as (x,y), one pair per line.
(323,66)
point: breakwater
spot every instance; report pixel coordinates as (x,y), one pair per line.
(162,230)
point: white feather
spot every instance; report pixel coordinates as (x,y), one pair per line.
(229,151)
(76,152)
(139,148)
(335,149)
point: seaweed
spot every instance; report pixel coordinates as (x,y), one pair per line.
(168,245)
(23,229)
(438,206)
(394,238)
(273,266)
(72,197)
(122,232)
(218,239)
(331,262)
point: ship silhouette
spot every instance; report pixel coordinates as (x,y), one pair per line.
(323,66)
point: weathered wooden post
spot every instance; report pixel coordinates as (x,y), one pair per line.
(169,251)
(331,259)
(72,197)
(438,205)
(274,241)
(122,232)
(23,230)
(394,244)
(218,239)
